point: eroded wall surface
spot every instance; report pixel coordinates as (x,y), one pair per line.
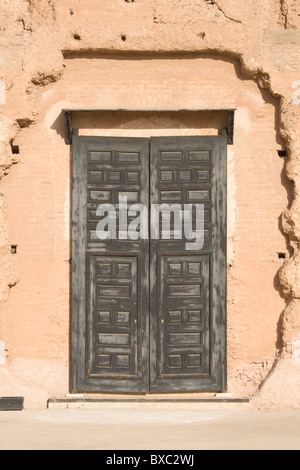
(147,54)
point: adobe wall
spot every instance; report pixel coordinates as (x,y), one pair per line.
(144,54)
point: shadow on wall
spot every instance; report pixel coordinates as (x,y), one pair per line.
(104,121)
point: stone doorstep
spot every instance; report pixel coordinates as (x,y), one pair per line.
(195,402)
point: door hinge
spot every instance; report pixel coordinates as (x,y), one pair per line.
(229,130)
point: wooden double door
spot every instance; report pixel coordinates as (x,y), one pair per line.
(148,314)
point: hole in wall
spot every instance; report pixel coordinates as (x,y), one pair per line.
(14,148)
(24,122)
(77,37)
(123,37)
(13,249)
(282,153)
(281,255)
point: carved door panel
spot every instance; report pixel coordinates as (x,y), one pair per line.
(188,287)
(110,281)
(148,315)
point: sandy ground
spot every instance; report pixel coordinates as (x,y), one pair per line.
(127,429)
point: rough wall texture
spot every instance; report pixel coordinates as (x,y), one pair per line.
(55,54)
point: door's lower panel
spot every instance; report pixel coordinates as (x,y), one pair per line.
(115,326)
(183,317)
(184,359)
(113,323)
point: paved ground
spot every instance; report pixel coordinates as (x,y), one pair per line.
(126,429)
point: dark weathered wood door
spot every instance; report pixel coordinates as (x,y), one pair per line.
(148,315)
(110,280)
(188,288)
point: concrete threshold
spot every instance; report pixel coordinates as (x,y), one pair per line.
(185,402)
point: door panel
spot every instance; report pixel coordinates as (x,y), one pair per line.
(110,281)
(188,288)
(184,318)
(113,347)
